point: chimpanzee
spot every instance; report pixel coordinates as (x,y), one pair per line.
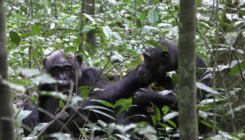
(68,68)
(157,62)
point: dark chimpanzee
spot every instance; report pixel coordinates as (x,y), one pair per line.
(157,62)
(67,67)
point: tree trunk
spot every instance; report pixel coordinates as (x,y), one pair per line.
(187,71)
(88,8)
(6,126)
(31,38)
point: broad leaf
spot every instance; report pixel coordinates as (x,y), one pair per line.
(14,37)
(102,102)
(157,113)
(170,116)
(165,109)
(107,31)
(153,17)
(97,107)
(206,88)
(23,114)
(102,113)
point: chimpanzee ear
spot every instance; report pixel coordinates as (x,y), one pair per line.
(146,55)
(79,60)
(165,56)
(45,61)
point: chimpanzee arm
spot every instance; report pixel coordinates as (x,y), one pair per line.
(31,120)
(144,96)
(111,93)
(119,90)
(122,89)
(92,77)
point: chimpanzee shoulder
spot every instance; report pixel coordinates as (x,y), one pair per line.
(91,75)
(173,51)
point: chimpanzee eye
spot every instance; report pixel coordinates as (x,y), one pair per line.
(67,68)
(56,69)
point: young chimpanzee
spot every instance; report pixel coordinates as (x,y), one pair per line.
(157,62)
(67,68)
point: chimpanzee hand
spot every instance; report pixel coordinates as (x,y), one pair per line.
(64,116)
(142,96)
(69,111)
(31,120)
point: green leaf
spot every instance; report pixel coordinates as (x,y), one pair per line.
(142,16)
(208,101)
(131,51)
(54,94)
(23,114)
(153,43)
(209,124)
(163,125)
(14,37)
(170,116)
(175,78)
(102,113)
(203,114)
(165,109)
(153,17)
(206,88)
(69,21)
(154,120)
(157,113)
(61,104)
(102,102)
(122,137)
(126,1)
(138,23)
(103,124)
(147,29)
(127,104)
(90,18)
(97,107)
(226,27)
(107,31)
(231,38)
(27,34)
(172,123)
(13,86)
(112,2)
(76,99)
(120,102)
(236,69)
(242,2)
(60,136)
(239,108)
(84,91)
(83,132)
(116,35)
(78,40)
(36,29)
(87,28)
(111,128)
(38,128)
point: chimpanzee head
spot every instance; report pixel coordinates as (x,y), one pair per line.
(158,61)
(65,67)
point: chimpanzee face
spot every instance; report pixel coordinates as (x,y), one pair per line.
(63,67)
(154,60)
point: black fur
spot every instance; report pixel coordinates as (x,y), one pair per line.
(86,76)
(157,62)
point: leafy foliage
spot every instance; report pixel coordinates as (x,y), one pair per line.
(123,29)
